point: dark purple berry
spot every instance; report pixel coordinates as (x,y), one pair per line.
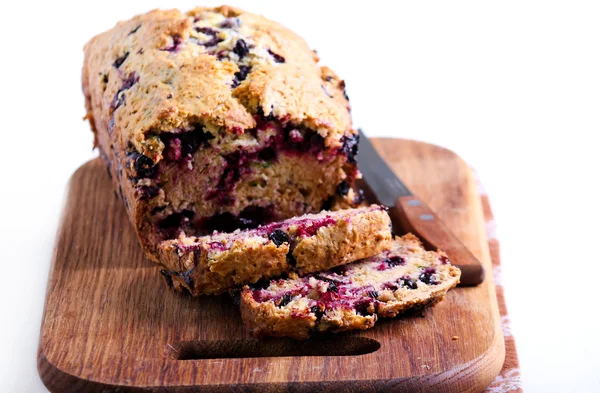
(390,285)
(332,288)
(144,166)
(350,147)
(120,60)
(318,311)
(240,75)
(135,30)
(427,276)
(342,188)
(408,282)
(285,300)
(212,33)
(207,31)
(105,78)
(188,278)
(444,260)
(192,140)
(343,88)
(176,45)
(131,80)
(182,145)
(373,294)
(147,192)
(241,48)
(276,57)
(395,261)
(260,112)
(119,98)
(230,23)
(362,307)
(291,259)
(279,237)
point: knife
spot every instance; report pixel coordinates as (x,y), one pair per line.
(411,214)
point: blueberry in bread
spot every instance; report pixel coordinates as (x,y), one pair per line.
(352,296)
(215,263)
(216,119)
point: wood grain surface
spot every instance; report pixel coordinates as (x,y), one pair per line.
(111,325)
(416,217)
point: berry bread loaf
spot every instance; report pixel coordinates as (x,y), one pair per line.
(216,119)
(309,243)
(351,296)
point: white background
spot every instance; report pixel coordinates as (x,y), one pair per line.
(512,86)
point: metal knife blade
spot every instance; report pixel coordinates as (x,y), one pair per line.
(382,181)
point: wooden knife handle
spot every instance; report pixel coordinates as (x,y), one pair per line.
(416,217)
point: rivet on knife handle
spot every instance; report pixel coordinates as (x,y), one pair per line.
(414,216)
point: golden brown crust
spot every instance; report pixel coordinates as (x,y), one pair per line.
(200,85)
(362,236)
(295,308)
(167,73)
(215,264)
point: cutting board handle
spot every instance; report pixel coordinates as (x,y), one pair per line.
(415,216)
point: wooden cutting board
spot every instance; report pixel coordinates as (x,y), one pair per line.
(111,325)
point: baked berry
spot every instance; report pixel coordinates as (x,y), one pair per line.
(176,45)
(279,237)
(342,188)
(120,60)
(188,278)
(364,307)
(144,166)
(241,48)
(395,261)
(135,29)
(212,33)
(276,57)
(290,258)
(408,283)
(350,147)
(427,277)
(285,300)
(230,23)
(241,75)
(373,294)
(318,310)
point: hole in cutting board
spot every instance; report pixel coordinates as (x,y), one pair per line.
(273,347)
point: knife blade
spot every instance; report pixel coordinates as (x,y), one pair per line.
(410,214)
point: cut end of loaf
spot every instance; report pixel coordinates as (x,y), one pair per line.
(313,242)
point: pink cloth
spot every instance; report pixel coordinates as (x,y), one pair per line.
(509,379)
